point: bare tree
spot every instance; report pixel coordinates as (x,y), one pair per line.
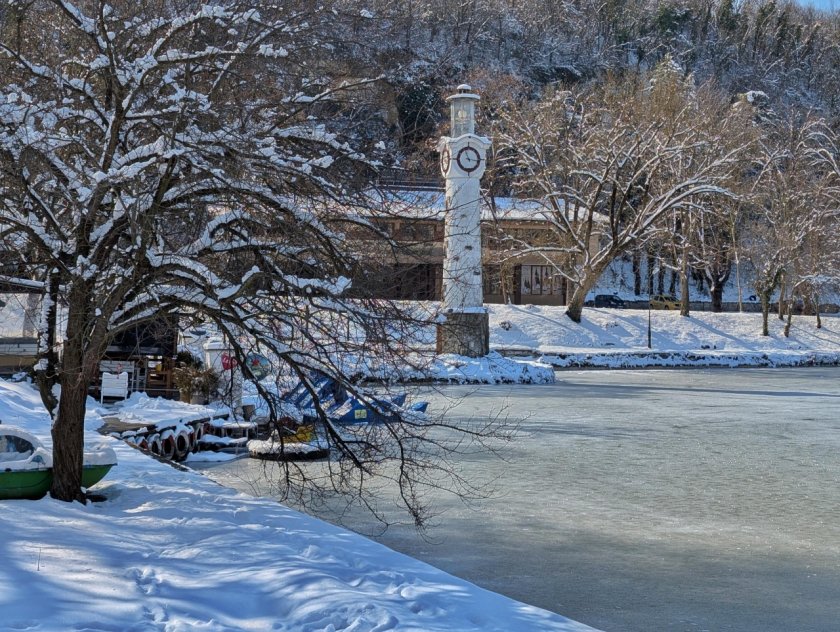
(609,166)
(791,209)
(818,262)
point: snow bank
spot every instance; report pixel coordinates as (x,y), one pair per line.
(491,369)
(140,408)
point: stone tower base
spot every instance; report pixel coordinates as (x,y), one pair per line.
(465,334)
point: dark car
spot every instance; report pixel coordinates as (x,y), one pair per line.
(609,300)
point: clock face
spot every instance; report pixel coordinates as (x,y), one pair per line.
(444,160)
(468,159)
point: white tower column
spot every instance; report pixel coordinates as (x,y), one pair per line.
(462,162)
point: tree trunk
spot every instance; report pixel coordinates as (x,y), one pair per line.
(789,319)
(781,310)
(765,314)
(685,299)
(716,294)
(68,428)
(574,309)
(46,372)
(650,264)
(637,273)
(817,310)
(574,306)
(505,283)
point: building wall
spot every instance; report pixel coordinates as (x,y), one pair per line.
(411,267)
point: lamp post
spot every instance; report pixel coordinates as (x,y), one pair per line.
(462,162)
(651,274)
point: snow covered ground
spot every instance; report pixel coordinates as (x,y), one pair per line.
(171,550)
(618,338)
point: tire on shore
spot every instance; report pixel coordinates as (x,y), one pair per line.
(183,445)
(168,445)
(155,444)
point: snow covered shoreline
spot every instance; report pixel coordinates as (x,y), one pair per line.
(617,338)
(688,359)
(529,342)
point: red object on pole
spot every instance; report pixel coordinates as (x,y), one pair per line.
(228,362)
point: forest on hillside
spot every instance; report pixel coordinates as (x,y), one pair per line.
(426,47)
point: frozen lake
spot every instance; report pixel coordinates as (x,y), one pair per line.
(650,500)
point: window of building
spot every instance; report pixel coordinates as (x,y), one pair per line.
(539,280)
(384,225)
(418,231)
(492,278)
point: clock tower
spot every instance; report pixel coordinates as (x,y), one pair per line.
(462,163)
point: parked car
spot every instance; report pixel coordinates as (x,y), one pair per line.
(664,301)
(609,300)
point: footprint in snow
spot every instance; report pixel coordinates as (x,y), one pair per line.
(146,579)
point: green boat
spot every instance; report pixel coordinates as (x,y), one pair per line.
(26,466)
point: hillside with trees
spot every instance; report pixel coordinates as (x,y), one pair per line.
(782,49)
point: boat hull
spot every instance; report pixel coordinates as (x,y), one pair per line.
(286,450)
(31,484)
(290,455)
(34,484)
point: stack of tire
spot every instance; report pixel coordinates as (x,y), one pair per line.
(174,443)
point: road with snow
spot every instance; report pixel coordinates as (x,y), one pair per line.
(650,500)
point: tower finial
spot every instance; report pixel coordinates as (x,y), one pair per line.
(462,111)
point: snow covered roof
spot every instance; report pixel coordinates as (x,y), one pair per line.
(19,315)
(426,204)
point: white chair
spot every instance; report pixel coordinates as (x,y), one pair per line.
(114,385)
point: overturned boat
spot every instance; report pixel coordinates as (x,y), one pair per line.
(342,408)
(26,466)
(300,444)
